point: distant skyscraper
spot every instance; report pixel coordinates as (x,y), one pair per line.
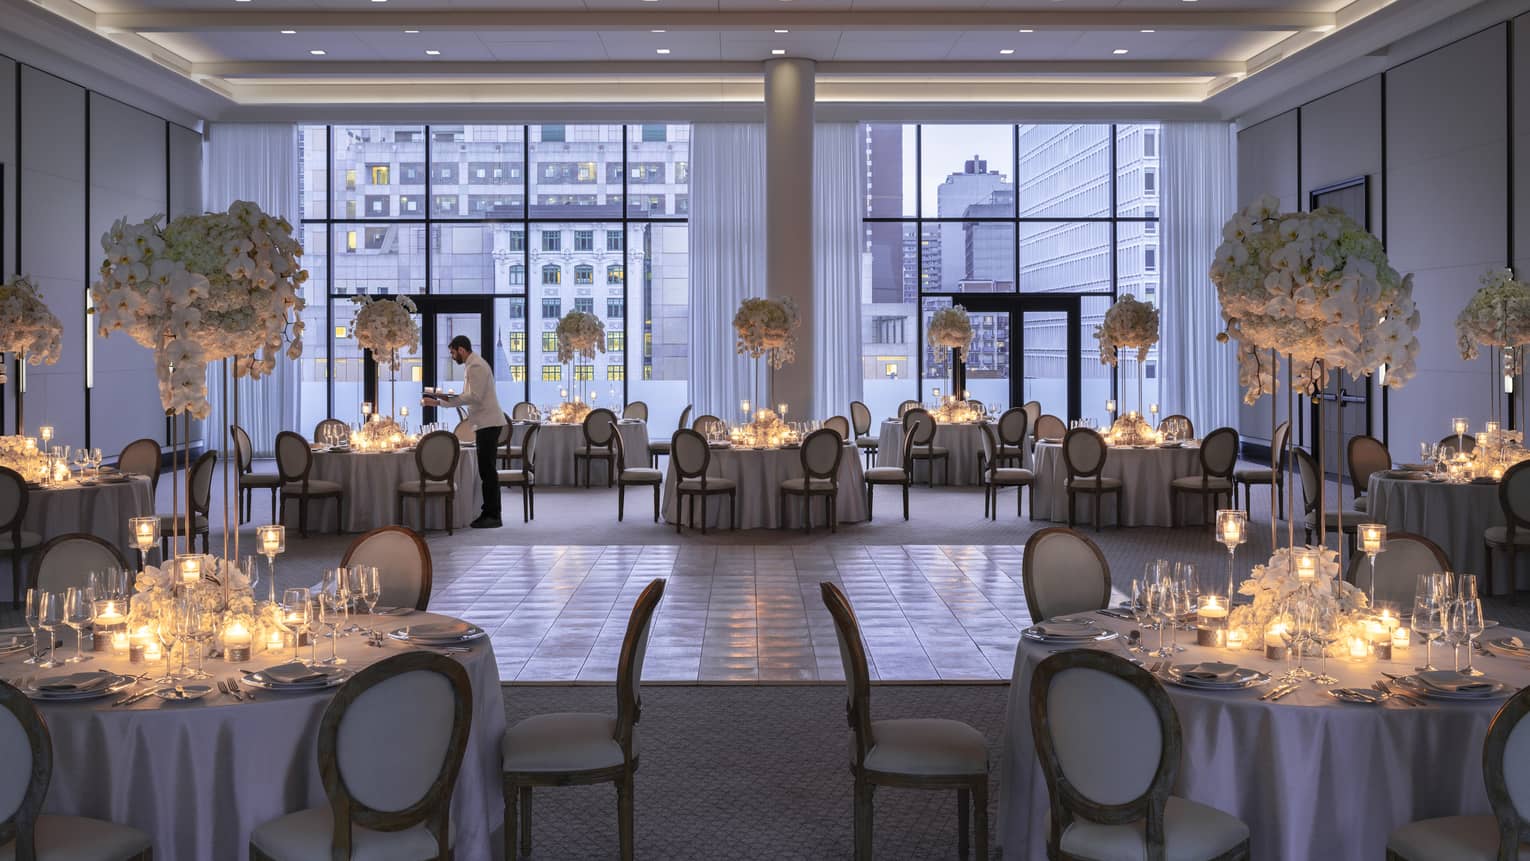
(960,191)
(884,172)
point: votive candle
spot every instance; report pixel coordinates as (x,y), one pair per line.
(1401,637)
(1275,647)
(1237,639)
(236,643)
(1306,566)
(121,644)
(274,641)
(1372,536)
(1458,426)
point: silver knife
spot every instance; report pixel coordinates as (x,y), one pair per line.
(1284,692)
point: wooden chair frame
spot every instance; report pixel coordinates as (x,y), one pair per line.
(305,493)
(528,471)
(13,526)
(830,495)
(623,483)
(1513,521)
(1098,490)
(597,419)
(928,442)
(860,421)
(159,454)
(34,568)
(989,461)
(426,566)
(636,406)
(1028,569)
(661,447)
(703,491)
(433,810)
(971,790)
(629,710)
(1207,493)
(249,479)
(449,495)
(202,508)
(1280,448)
(906,483)
(1358,479)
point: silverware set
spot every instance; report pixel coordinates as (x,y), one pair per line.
(379,641)
(1280,690)
(231,688)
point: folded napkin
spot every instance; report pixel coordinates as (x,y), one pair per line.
(77,682)
(1065,629)
(437,630)
(1457,683)
(1210,671)
(1511,642)
(292,674)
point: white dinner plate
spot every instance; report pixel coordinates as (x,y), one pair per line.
(1243,677)
(1500,645)
(334,676)
(438,633)
(118,683)
(1037,637)
(1412,685)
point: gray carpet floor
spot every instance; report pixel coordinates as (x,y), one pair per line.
(753,772)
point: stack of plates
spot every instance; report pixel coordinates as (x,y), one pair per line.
(1215,676)
(438,633)
(75,687)
(296,677)
(14,641)
(1068,632)
(1514,647)
(1451,685)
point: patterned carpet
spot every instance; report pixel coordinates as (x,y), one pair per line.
(753,772)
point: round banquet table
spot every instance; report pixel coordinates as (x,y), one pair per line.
(1453,516)
(1311,777)
(964,441)
(759,473)
(556,444)
(370,481)
(100,509)
(199,777)
(1145,475)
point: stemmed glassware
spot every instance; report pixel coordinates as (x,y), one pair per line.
(95,460)
(331,607)
(371,589)
(1288,622)
(1429,599)
(1187,576)
(1324,628)
(165,632)
(33,609)
(200,627)
(271,541)
(1166,609)
(50,614)
(296,607)
(1141,609)
(79,612)
(1472,621)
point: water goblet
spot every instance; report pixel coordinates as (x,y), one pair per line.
(1472,626)
(1324,630)
(1139,607)
(331,609)
(33,606)
(50,614)
(293,618)
(165,632)
(79,612)
(1428,605)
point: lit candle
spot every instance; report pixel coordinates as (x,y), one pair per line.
(1306,566)
(1153,408)
(1237,639)
(191,569)
(1359,649)
(121,645)
(1388,621)
(366,408)
(1372,536)
(781,409)
(1211,622)
(1274,645)
(1492,427)
(1458,426)
(1110,406)
(274,641)
(403,411)
(152,652)
(46,432)
(743,406)
(272,539)
(236,642)
(1482,439)
(1496,472)
(1400,639)
(109,614)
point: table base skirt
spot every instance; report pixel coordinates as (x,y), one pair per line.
(758,476)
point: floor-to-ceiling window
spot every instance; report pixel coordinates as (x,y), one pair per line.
(1024,221)
(534,220)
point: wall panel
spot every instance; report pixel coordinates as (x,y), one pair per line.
(1267,164)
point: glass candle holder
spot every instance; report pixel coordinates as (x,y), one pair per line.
(145,532)
(1401,638)
(237,642)
(1211,621)
(191,567)
(1306,564)
(1459,425)
(1274,644)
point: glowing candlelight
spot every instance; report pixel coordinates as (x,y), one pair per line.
(272,538)
(1237,639)
(1492,427)
(1458,426)
(145,532)
(366,408)
(1110,406)
(1401,637)
(46,433)
(1372,537)
(191,568)
(1359,649)
(121,645)
(1306,566)
(274,642)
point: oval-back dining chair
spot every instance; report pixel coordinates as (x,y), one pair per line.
(294,462)
(13,539)
(69,559)
(1063,572)
(1084,453)
(691,457)
(403,563)
(820,456)
(435,457)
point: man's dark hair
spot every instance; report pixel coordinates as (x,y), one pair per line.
(462,342)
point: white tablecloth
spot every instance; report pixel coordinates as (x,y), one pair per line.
(759,474)
(371,485)
(555,452)
(1145,474)
(101,510)
(198,777)
(965,442)
(1453,516)
(1312,777)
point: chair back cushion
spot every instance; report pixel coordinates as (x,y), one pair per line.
(1367,455)
(244,456)
(529,448)
(523,411)
(838,424)
(821,453)
(1063,572)
(1279,447)
(1401,560)
(1050,427)
(465,431)
(1084,452)
(636,410)
(293,457)
(436,456)
(860,418)
(599,424)
(68,560)
(1032,412)
(1506,771)
(1513,495)
(919,424)
(689,453)
(629,669)
(13,498)
(403,563)
(621,449)
(852,657)
(199,489)
(1013,426)
(1219,453)
(27,751)
(1311,484)
(1105,735)
(685,417)
(143,456)
(904,407)
(990,450)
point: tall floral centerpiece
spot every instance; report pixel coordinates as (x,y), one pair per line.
(27,328)
(583,335)
(1498,317)
(950,328)
(767,329)
(1128,324)
(1316,287)
(387,327)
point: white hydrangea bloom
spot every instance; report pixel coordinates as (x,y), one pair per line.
(385,327)
(27,327)
(1128,324)
(767,327)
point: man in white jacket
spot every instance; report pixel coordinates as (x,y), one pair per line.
(483,413)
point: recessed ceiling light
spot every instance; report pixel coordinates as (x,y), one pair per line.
(658,31)
(663,50)
(411,32)
(317,52)
(1150,31)
(1006,51)
(1119,51)
(432,52)
(778,51)
(783,31)
(1027,31)
(289,32)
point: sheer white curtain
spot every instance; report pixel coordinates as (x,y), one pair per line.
(727,241)
(1198,376)
(838,168)
(256,162)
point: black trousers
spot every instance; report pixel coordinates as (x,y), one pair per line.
(488,469)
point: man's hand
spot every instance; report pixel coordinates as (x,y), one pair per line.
(430,402)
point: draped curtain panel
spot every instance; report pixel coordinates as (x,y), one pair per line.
(837,239)
(727,242)
(1198,376)
(256,162)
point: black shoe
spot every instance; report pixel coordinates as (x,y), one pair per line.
(486,522)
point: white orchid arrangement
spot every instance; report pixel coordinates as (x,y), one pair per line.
(22,454)
(1315,286)
(203,288)
(386,326)
(767,327)
(582,334)
(1498,314)
(27,327)
(224,590)
(1276,582)
(950,328)
(1127,324)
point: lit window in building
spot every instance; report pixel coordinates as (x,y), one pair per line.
(584,372)
(584,274)
(616,372)
(379,173)
(552,274)
(518,373)
(616,342)
(552,373)
(550,342)
(615,274)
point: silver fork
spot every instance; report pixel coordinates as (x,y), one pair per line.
(224,688)
(233,686)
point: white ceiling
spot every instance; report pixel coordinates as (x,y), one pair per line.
(1175,51)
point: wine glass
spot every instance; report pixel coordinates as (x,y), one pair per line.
(79,612)
(34,606)
(1139,608)
(1472,626)
(201,626)
(1187,575)
(1285,623)
(50,614)
(95,460)
(165,632)
(1453,630)
(1427,614)
(371,588)
(296,607)
(331,609)
(82,462)
(1164,609)
(1324,629)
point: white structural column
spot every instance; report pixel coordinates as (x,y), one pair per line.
(789,215)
